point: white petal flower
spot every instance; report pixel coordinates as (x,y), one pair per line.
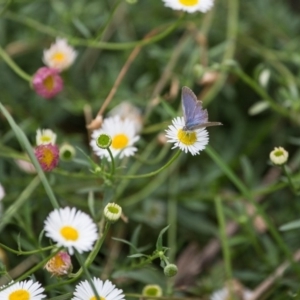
(23,290)
(71,229)
(60,55)
(45,136)
(188,141)
(224,293)
(190,6)
(123,135)
(105,290)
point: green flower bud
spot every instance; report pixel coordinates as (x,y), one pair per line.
(103,141)
(112,212)
(170,270)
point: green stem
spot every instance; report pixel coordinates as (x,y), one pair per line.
(223,237)
(151,173)
(14,66)
(290,181)
(28,148)
(112,166)
(20,252)
(91,43)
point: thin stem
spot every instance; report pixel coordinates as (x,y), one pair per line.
(290,181)
(112,166)
(89,42)
(151,173)
(14,66)
(223,237)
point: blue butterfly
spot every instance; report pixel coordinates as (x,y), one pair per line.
(194,115)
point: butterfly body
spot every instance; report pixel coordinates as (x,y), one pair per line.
(195,116)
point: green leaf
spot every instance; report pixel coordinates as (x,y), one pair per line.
(137,255)
(290,225)
(159,246)
(126,242)
(135,236)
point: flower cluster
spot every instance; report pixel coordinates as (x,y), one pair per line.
(46,151)
(47,81)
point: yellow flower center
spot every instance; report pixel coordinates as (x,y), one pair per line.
(19,295)
(189,2)
(94,298)
(49,83)
(48,157)
(57,262)
(187,137)
(120,141)
(69,233)
(58,57)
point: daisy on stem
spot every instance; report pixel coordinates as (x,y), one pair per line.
(122,134)
(105,290)
(23,290)
(72,229)
(190,6)
(188,141)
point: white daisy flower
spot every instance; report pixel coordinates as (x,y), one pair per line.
(105,290)
(190,6)
(60,55)
(123,135)
(45,136)
(71,229)
(28,290)
(188,141)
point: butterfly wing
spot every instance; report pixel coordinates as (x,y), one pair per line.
(194,114)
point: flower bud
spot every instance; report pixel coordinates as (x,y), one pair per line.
(103,141)
(153,290)
(279,156)
(170,270)
(112,212)
(60,264)
(67,152)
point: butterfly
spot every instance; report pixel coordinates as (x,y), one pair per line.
(194,115)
